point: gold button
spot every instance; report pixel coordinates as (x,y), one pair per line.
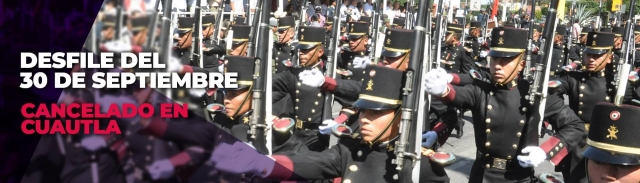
(521,122)
(148,158)
(582,87)
(557,148)
(297,100)
(488,130)
(316,103)
(346,181)
(560,144)
(489,107)
(313,111)
(395,177)
(487,166)
(582,79)
(296,107)
(581,95)
(299,84)
(309,119)
(606,98)
(491,93)
(319,94)
(128,132)
(508,157)
(519,134)
(524,109)
(487,144)
(488,120)
(148,147)
(297,91)
(580,103)
(579,112)
(130,153)
(486,155)
(353,168)
(514,146)
(551,153)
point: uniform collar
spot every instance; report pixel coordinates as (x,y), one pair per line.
(597,74)
(511,85)
(243,118)
(382,146)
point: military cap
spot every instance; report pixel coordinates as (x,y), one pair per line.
(396,43)
(286,22)
(586,30)
(381,88)
(311,37)
(185,24)
(110,20)
(365,19)
(605,29)
(475,25)
(619,31)
(139,23)
(561,29)
(244,66)
(613,134)
(239,20)
(399,21)
(329,19)
(208,20)
(358,29)
(454,28)
(507,41)
(599,42)
(240,33)
(510,24)
(537,27)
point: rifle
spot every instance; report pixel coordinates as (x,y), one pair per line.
(119,20)
(165,36)
(440,29)
(251,48)
(153,24)
(628,42)
(216,32)
(258,119)
(378,36)
(374,32)
(538,91)
(196,47)
(406,152)
(527,69)
(331,66)
(570,42)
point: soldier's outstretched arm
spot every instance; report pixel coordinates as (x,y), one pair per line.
(348,89)
(461,96)
(562,85)
(467,63)
(570,129)
(309,165)
(281,86)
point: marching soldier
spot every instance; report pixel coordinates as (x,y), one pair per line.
(283,50)
(368,158)
(351,63)
(586,89)
(537,31)
(575,54)
(308,101)
(109,29)
(612,150)
(559,56)
(472,46)
(499,112)
(240,43)
(617,48)
(454,57)
(399,23)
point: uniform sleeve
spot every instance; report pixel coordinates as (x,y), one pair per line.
(461,96)
(348,89)
(570,130)
(573,53)
(200,133)
(279,86)
(563,85)
(467,62)
(309,165)
(189,157)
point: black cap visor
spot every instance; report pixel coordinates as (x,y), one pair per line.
(604,156)
(373,105)
(306,45)
(597,51)
(505,52)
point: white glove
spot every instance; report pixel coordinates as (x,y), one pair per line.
(429,138)
(221,68)
(536,156)
(117,46)
(325,128)
(197,92)
(93,143)
(443,74)
(161,169)
(175,65)
(313,78)
(435,83)
(361,62)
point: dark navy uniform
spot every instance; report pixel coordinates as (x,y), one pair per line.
(575,53)
(559,56)
(356,160)
(471,43)
(499,115)
(455,55)
(283,53)
(345,61)
(308,101)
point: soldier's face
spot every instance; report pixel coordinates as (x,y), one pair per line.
(618,42)
(359,44)
(328,27)
(536,35)
(475,32)
(397,62)
(505,69)
(583,39)
(309,57)
(233,100)
(185,41)
(208,31)
(603,172)
(597,62)
(107,34)
(285,35)
(637,39)
(239,50)
(140,38)
(558,39)
(374,122)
